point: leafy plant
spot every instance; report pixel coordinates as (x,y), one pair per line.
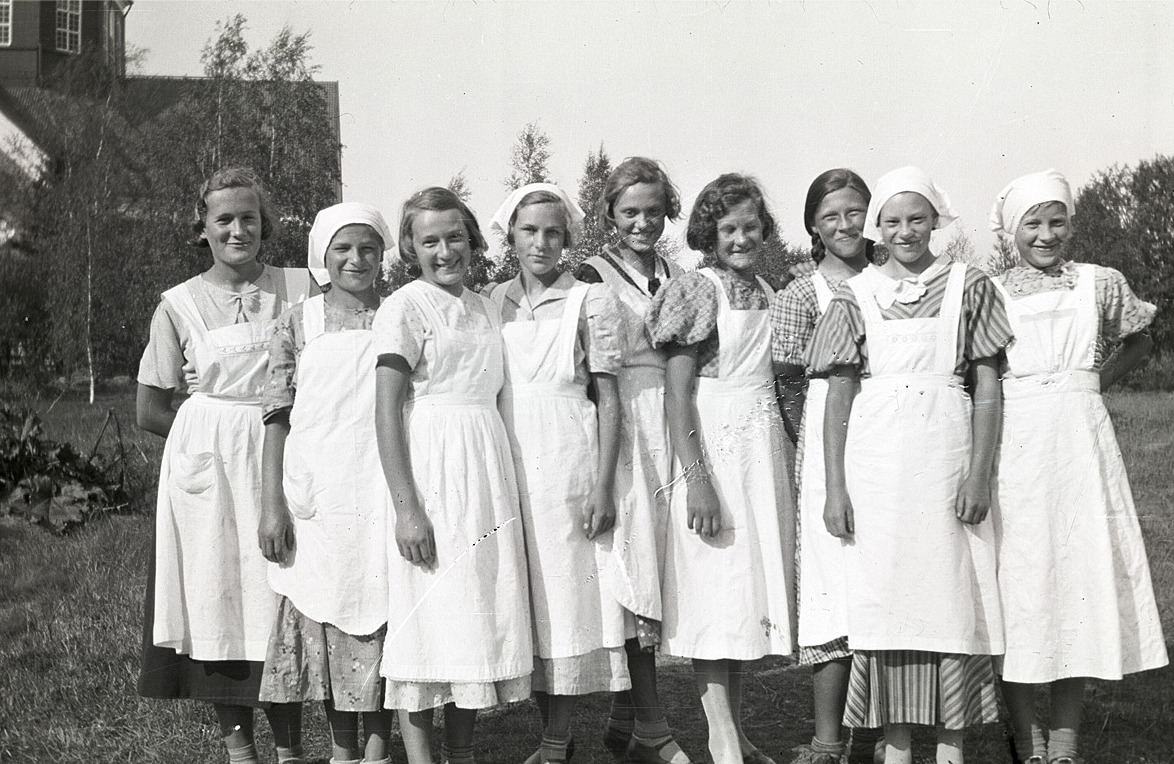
(50,483)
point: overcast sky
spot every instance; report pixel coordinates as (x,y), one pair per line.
(973,92)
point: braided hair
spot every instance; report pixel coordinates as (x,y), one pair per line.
(826,183)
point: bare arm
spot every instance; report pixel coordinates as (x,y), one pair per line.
(838,513)
(1125,358)
(600,513)
(974,500)
(791,390)
(704,511)
(275,530)
(153,411)
(413,529)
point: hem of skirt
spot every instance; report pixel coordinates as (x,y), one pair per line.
(189,650)
(942,648)
(521,674)
(1077,673)
(229,700)
(706,655)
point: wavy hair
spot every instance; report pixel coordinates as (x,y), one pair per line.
(714,203)
(628,173)
(435,199)
(235,177)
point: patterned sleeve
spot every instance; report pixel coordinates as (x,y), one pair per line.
(602,336)
(163,361)
(793,314)
(988,331)
(399,329)
(1122,312)
(838,339)
(684,311)
(280,383)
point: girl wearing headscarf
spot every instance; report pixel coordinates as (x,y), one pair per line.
(324,517)
(908,461)
(562,335)
(1075,582)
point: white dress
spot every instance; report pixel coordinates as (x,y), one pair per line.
(727,597)
(459,631)
(553,428)
(212,596)
(1073,573)
(334,484)
(919,578)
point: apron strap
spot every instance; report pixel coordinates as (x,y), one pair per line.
(568,331)
(945,360)
(823,292)
(292,284)
(865,299)
(314,317)
(723,302)
(181,299)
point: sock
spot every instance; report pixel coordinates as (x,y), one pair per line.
(835,749)
(385,760)
(291,755)
(456,754)
(344,761)
(554,748)
(1030,744)
(1061,743)
(1039,746)
(246,754)
(658,735)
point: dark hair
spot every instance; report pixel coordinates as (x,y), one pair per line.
(541,197)
(435,199)
(714,203)
(628,173)
(235,177)
(824,184)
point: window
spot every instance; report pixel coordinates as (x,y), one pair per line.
(69,26)
(5,22)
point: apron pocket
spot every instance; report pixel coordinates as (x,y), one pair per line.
(193,473)
(298,484)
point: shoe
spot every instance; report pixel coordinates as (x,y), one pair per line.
(825,758)
(651,754)
(757,757)
(1061,760)
(536,757)
(616,740)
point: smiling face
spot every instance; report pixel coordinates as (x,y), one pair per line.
(1042,234)
(353,257)
(232,225)
(906,222)
(539,232)
(839,220)
(443,251)
(639,214)
(739,237)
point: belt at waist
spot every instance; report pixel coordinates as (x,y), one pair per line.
(212,399)
(430,400)
(920,379)
(1071,381)
(545,390)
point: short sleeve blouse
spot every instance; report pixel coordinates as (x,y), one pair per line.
(793,315)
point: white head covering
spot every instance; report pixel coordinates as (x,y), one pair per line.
(902,180)
(328,222)
(1023,193)
(501,218)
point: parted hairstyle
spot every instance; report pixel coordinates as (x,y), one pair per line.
(714,203)
(628,173)
(826,183)
(541,197)
(435,199)
(235,177)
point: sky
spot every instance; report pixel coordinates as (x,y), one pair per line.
(974,92)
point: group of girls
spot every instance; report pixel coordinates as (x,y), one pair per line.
(450,499)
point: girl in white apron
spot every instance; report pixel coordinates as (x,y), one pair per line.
(834,212)
(636,200)
(561,335)
(730,549)
(1075,582)
(209,607)
(458,632)
(323,524)
(908,477)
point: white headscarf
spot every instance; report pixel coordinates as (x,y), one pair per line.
(1021,194)
(903,180)
(328,222)
(501,218)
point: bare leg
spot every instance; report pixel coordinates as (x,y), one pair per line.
(416,730)
(377,728)
(713,682)
(829,684)
(898,744)
(949,746)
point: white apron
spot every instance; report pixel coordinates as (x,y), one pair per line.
(553,430)
(1073,574)
(212,596)
(823,594)
(727,597)
(334,484)
(920,578)
(466,620)
(644,462)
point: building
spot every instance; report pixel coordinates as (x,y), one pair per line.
(37,36)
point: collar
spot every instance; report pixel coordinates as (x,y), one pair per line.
(516,293)
(908,290)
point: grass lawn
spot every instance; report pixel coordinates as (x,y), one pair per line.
(70,625)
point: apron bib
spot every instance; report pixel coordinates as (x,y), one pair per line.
(212,596)
(728,597)
(333,483)
(552,424)
(468,618)
(823,595)
(1073,572)
(920,578)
